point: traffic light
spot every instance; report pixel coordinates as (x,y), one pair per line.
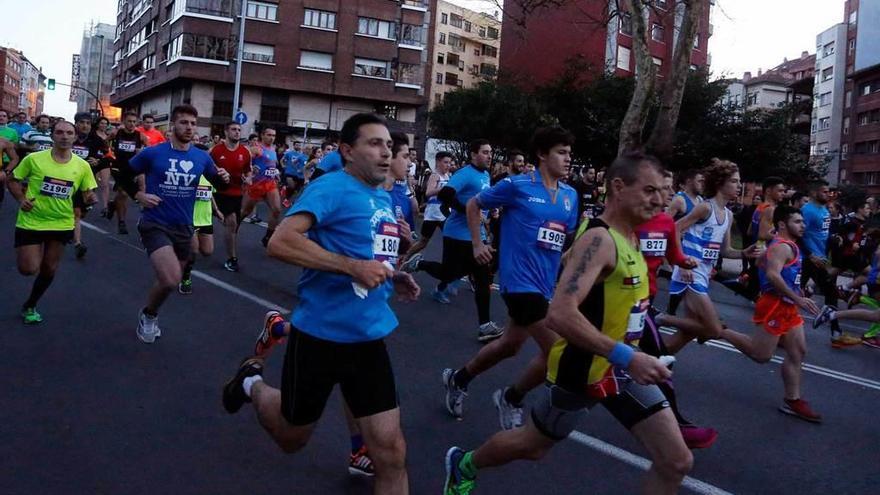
(50,84)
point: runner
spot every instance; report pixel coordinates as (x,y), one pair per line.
(203,237)
(331,160)
(38,138)
(21,124)
(154,136)
(458,258)
(706,237)
(9,162)
(294,161)
(264,184)
(92,149)
(599,313)
(588,194)
(540,214)
(777,311)
(342,231)
(403,204)
(45,217)
(691,182)
(235,158)
(167,192)
(126,144)
(433,218)
(7,131)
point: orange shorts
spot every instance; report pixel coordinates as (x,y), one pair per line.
(259,190)
(775,315)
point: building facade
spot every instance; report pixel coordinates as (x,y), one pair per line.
(96,70)
(466,47)
(307,66)
(33,82)
(827,117)
(860,132)
(11,68)
(552,36)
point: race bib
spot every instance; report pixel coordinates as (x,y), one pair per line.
(81,152)
(652,244)
(129,146)
(203,193)
(271,173)
(636,322)
(826,223)
(386,242)
(588,211)
(797,280)
(43,146)
(56,188)
(551,236)
(711,251)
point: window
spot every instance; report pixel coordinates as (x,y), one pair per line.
(444,19)
(451,79)
(456,20)
(825,99)
(847,99)
(220,8)
(657,32)
(827,74)
(467,26)
(482,31)
(490,51)
(853,17)
(254,52)
(442,38)
(752,99)
(274,106)
(262,11)
(846,125)
(205,47)
(412,35)
(623,55)
(822,148)
(452,59)
(697,41)
(457,43)
(320,19)
(824,123)
(864,118)
(866,89)
(439,79)
(409,74)
(438,98)
(492,33)
(844,149)
(626,24)
(828,49)
(477,52)
(658,62)
(315,60)
(488,70)
(441,58)
(376,27)
(150,62)
(661,3)
(387,110)
(852,47)
(372,68)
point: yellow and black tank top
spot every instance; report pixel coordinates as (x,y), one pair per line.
(617,307)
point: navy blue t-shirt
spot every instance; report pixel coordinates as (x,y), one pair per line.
(173,175)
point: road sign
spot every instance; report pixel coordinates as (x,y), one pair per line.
(240,117)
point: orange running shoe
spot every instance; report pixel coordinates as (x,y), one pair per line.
(267,339)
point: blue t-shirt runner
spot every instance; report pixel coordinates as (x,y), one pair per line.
(355,221)
(534,228)
(173,175)
(817,222)
(332,162)
(294,163)
(401,203)
(467,182)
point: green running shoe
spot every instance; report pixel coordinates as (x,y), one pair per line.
(185,286)
(31,317)
(456,482)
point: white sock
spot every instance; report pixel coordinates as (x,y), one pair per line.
(249,382)
(833,316)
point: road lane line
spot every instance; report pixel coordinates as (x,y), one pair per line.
(640,462)
(93,227)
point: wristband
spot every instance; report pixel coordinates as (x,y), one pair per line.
(621,355)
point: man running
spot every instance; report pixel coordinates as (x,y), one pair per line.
(458,253)
(433,217)
(154,136)
(403,204)
(343,232)
(264,181)
(540,214)
(331,161)
(7,131)
(127,142)
(776,311)
(588,194)
(234,157)
(45,217)
(691,183)
(8,163)
(203,237)
(92,149)
(38,138)
(294,162)
(167,191)
(21,124)
(599,313)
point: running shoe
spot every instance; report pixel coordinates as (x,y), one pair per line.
(844,340)
(454,394)
(30,316)
(110,213)
(871,342)
(494,287)
(456,482)
(233,392)
(452,288)
(231,265)
(489,331)
(801,409)
(440,296)
(824,317)
(412,264)
(509,415)
(80,250)
(148,328)
(266,340)
(121,229)
(185,286)
(253,219)
(696,437)
(360,463)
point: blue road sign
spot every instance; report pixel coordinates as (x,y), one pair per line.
(240,117)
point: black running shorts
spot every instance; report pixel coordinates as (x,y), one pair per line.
(525,308)
(228,204)
(313,366)
(429,226)
(155,236)
(27,237)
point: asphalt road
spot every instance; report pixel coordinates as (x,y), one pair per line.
(89,409)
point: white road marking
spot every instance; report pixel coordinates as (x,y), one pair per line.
(93,227)
(640,462)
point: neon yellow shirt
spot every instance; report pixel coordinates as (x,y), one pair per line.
(203,208)
(51,186)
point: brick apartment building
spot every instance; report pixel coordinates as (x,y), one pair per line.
(307,65)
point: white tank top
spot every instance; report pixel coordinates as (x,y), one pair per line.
(432,208)
(703,241)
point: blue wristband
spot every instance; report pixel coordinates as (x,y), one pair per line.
(621,355)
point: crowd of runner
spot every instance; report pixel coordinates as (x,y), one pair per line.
(576,252)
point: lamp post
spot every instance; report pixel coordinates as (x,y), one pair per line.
(237,94)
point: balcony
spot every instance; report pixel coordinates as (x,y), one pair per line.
(419,5)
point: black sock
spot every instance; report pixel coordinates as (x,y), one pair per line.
(462,378)
(513,396)
(41,283)
(150,313)
(187,269)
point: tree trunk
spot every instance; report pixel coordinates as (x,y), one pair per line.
(634,121)
(662,139)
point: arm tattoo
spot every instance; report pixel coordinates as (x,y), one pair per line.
(585,258)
